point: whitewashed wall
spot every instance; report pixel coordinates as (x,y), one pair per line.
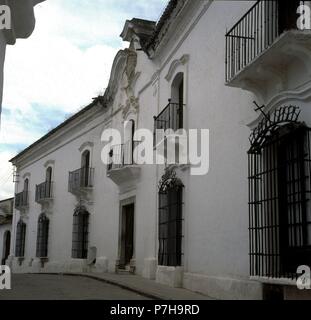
(215,211)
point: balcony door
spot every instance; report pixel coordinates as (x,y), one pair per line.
(128,143)
(287,13)
(177,95)
(127,235)
(85,164)
(181,104)
(48,181)
(25,193)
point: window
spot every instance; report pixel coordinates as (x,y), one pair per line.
(48,182)
(48,175)
(279,201)
(170,220)
(177,96)
(80,233)
(20,239)
(85,164)
(287,17)
(42,236)
(129,144)
(25,192)
(26,185)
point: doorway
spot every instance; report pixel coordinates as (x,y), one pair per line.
(85,164)
(287,15)
(6,247)
(127,235)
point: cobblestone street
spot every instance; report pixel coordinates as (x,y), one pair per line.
(58,287)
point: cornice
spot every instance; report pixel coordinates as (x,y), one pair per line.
(179,24)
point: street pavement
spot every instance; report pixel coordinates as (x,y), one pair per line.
(63,287)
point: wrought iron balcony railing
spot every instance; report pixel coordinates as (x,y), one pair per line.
(122,155)
(261,25)
(81,179)
(172,117)
(44,191)
(21,200)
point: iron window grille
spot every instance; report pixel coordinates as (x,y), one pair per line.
(20,239)
(42,236)
(170,220)
(261,25)
(279,198)
(80,233)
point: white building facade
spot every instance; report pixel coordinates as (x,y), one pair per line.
(230,233)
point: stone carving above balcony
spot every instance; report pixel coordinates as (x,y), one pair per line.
(131,106)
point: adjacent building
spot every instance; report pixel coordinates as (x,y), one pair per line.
(6,214)
(237,68)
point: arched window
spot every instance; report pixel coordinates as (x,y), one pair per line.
(170,220)
(42,236)
(279,195)
(85,165)
(20,239)
(80,233)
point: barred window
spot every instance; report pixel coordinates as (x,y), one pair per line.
(20,239)
(42,236)
(170,220)
(80,233)
(279,202)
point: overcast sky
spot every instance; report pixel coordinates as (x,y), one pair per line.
(60,68)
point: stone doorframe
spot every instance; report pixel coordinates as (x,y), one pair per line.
(124,203)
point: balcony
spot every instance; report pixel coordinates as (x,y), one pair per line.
(262,45)
(81,180)
(21,200)
(44,192)
(171,118)
(121,163)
